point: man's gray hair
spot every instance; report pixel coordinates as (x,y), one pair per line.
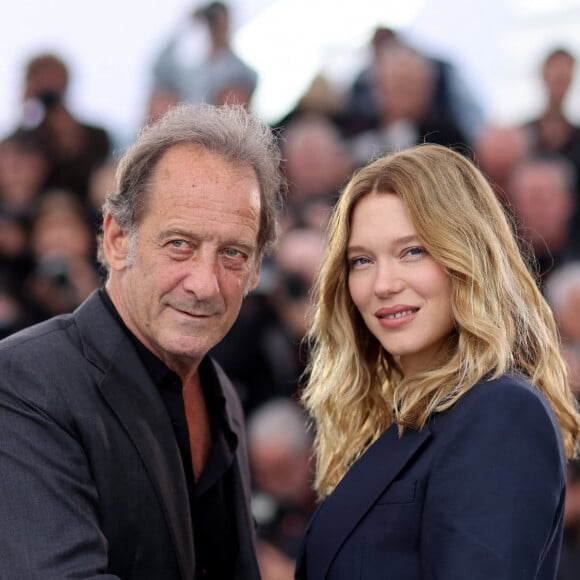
(230,131)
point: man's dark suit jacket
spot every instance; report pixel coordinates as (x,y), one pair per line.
(91,480)
(478,494)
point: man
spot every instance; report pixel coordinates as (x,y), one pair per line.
(198,72)
(541,191)
(121,443)
(73,148)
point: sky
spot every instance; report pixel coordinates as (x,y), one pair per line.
(110,47)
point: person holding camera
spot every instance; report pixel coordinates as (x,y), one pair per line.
(73,147)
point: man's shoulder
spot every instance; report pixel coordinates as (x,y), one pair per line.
(88,332)
(37,336)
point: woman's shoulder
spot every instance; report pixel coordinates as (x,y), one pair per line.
(510,385)
(508,414)
(510,398)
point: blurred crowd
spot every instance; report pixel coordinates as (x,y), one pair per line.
(55,170)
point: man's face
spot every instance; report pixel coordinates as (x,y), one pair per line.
(48,79)
(180,285)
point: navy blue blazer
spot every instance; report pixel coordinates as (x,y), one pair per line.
(91,480)
(478,494)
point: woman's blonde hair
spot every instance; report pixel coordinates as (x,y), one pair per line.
(355,390)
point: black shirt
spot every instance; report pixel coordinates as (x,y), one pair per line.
(212,497)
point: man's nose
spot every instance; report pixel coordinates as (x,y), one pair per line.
(202,278)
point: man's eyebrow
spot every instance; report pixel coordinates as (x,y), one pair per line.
(249,246)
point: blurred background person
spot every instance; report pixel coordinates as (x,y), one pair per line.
(562,289)
(451,94)
(408,114)
(498,149)
(280,450)
(101,183)
(23,170)
(317,162)
(552,131)
(263,353)
(543,197)
(569,568)
(322,97)
(73,147)
(208,70)
(63,249)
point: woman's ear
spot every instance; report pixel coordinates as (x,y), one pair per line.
(115,243)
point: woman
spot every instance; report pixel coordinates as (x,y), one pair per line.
(441,404)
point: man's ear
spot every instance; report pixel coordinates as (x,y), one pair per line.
(254,278)
(115,243)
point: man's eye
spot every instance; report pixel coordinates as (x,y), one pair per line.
(235,255)
(179,244)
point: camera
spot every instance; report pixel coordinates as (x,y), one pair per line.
(55,269)
(49,99)
(36,108)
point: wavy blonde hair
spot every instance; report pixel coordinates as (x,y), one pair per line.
(355,390)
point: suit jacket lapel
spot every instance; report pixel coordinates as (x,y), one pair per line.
(134,399)
(355,494)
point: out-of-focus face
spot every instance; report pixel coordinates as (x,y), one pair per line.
(316,160)
(195,255)
(542,203)
(401,292)
(280,471)
(404,83)
(61,233)
(22,173)
(298,258)
(558,74)
(49,78)
(568,314)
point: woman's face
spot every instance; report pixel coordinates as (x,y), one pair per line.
(401,292)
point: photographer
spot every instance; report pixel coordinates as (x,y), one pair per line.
(73,148)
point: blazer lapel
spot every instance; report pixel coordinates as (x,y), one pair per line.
(138,405)
(356,493)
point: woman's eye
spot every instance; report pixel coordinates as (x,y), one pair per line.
(358,261)
(415,251)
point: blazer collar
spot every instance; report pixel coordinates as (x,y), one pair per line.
(132,396)
(355,494)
